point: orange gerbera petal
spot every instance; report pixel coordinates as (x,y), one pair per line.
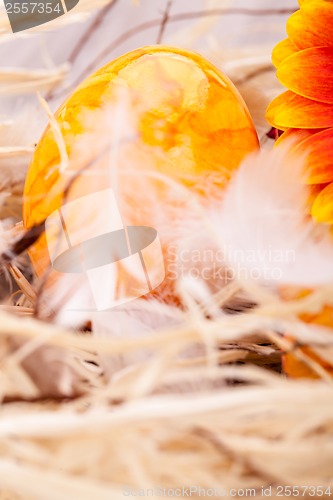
(312,26)
(309,73)
(322,209)
(282,50)
(295,136)
(320,156)
(293,111)
(296,368)
(296,30)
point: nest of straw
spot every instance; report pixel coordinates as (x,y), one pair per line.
(201,407)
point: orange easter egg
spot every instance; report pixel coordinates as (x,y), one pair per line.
(160,113)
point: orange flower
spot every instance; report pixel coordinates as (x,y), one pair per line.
(304,64)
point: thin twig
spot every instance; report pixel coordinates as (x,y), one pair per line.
(87,34)
(254,74)
(21,245)
(90,31)
(164,21)
(157,22)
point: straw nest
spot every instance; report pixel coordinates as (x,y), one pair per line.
(201,405)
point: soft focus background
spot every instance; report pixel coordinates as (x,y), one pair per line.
(53,58)
(51,51)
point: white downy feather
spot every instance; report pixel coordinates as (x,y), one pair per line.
(263,224)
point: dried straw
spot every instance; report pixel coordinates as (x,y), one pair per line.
(202,404)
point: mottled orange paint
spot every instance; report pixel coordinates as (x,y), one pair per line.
(193,127)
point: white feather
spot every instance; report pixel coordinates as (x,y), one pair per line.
(264,225)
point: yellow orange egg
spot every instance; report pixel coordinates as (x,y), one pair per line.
(163,112)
